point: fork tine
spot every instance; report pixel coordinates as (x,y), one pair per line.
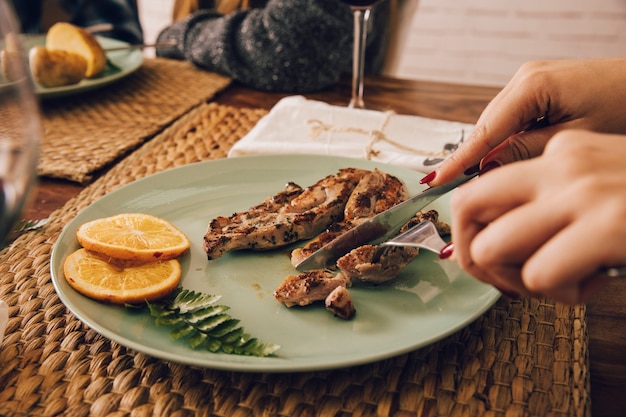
(424,235)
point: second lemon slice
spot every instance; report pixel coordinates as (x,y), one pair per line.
(120,282)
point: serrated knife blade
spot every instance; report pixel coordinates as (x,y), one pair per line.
(381,227)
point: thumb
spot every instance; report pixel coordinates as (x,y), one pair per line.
(520,146)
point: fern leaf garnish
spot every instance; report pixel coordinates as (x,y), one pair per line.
(194,316)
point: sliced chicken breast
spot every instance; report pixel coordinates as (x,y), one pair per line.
(293,214)
(308,287)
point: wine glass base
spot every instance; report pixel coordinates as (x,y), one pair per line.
(356,103)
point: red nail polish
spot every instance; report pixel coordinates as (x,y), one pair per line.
(447,251)
(428,178)
(489,166)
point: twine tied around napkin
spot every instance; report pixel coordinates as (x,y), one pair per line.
(376,135)
(296,125)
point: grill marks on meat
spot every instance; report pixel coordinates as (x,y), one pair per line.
(225,233)
(308,287)
(433,215)
(360,264)
(291,215)
(376,192)
(311,286)
(339,302)
(323,210)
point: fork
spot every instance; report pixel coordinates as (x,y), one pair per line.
(141,46)
(105,27)
(424,235)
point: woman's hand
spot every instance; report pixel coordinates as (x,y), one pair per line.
(546,226)
(581,94)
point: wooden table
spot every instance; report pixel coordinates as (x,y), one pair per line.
(606,313)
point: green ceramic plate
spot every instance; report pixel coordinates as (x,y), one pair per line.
(428,301)
(120,64)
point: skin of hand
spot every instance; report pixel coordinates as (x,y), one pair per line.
(572,94)
(545,226)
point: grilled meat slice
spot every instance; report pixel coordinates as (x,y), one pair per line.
(308,287)
(291,215)
(376,192)
(433,215)
(360,263)
(339,302)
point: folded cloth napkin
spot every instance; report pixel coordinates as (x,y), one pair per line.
(4,318)
(296,125)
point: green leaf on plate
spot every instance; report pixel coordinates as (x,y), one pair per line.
(194,316)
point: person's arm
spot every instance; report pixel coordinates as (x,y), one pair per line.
(581,94)
(549,225)
(289,45)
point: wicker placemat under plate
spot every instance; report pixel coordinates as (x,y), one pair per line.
(87,132)
(525,357)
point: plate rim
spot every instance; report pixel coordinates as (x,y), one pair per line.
(236,362)
(135,56)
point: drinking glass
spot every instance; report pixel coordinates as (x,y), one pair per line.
(20,127)
(361,10)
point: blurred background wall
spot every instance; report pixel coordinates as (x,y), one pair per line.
(479,42)
(483,42)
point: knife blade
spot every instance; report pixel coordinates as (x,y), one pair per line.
(381,227)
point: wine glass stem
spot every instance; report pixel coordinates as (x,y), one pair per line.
(361,16)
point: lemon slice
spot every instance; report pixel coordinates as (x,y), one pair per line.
(133,236)
(120,282)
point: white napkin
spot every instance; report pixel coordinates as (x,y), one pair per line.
(4,318)
(296,125)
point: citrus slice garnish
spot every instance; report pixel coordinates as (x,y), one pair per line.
(120,282)
(133,236)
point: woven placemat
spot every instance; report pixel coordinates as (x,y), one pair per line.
(88,132)
(525,357)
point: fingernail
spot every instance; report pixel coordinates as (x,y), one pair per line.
(447,251)
(489,166)
(428,178)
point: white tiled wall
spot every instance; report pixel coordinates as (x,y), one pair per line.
(485,41)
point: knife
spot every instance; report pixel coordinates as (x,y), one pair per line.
(381,227)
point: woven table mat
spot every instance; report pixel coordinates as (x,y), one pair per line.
(88,132)
(525,357)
